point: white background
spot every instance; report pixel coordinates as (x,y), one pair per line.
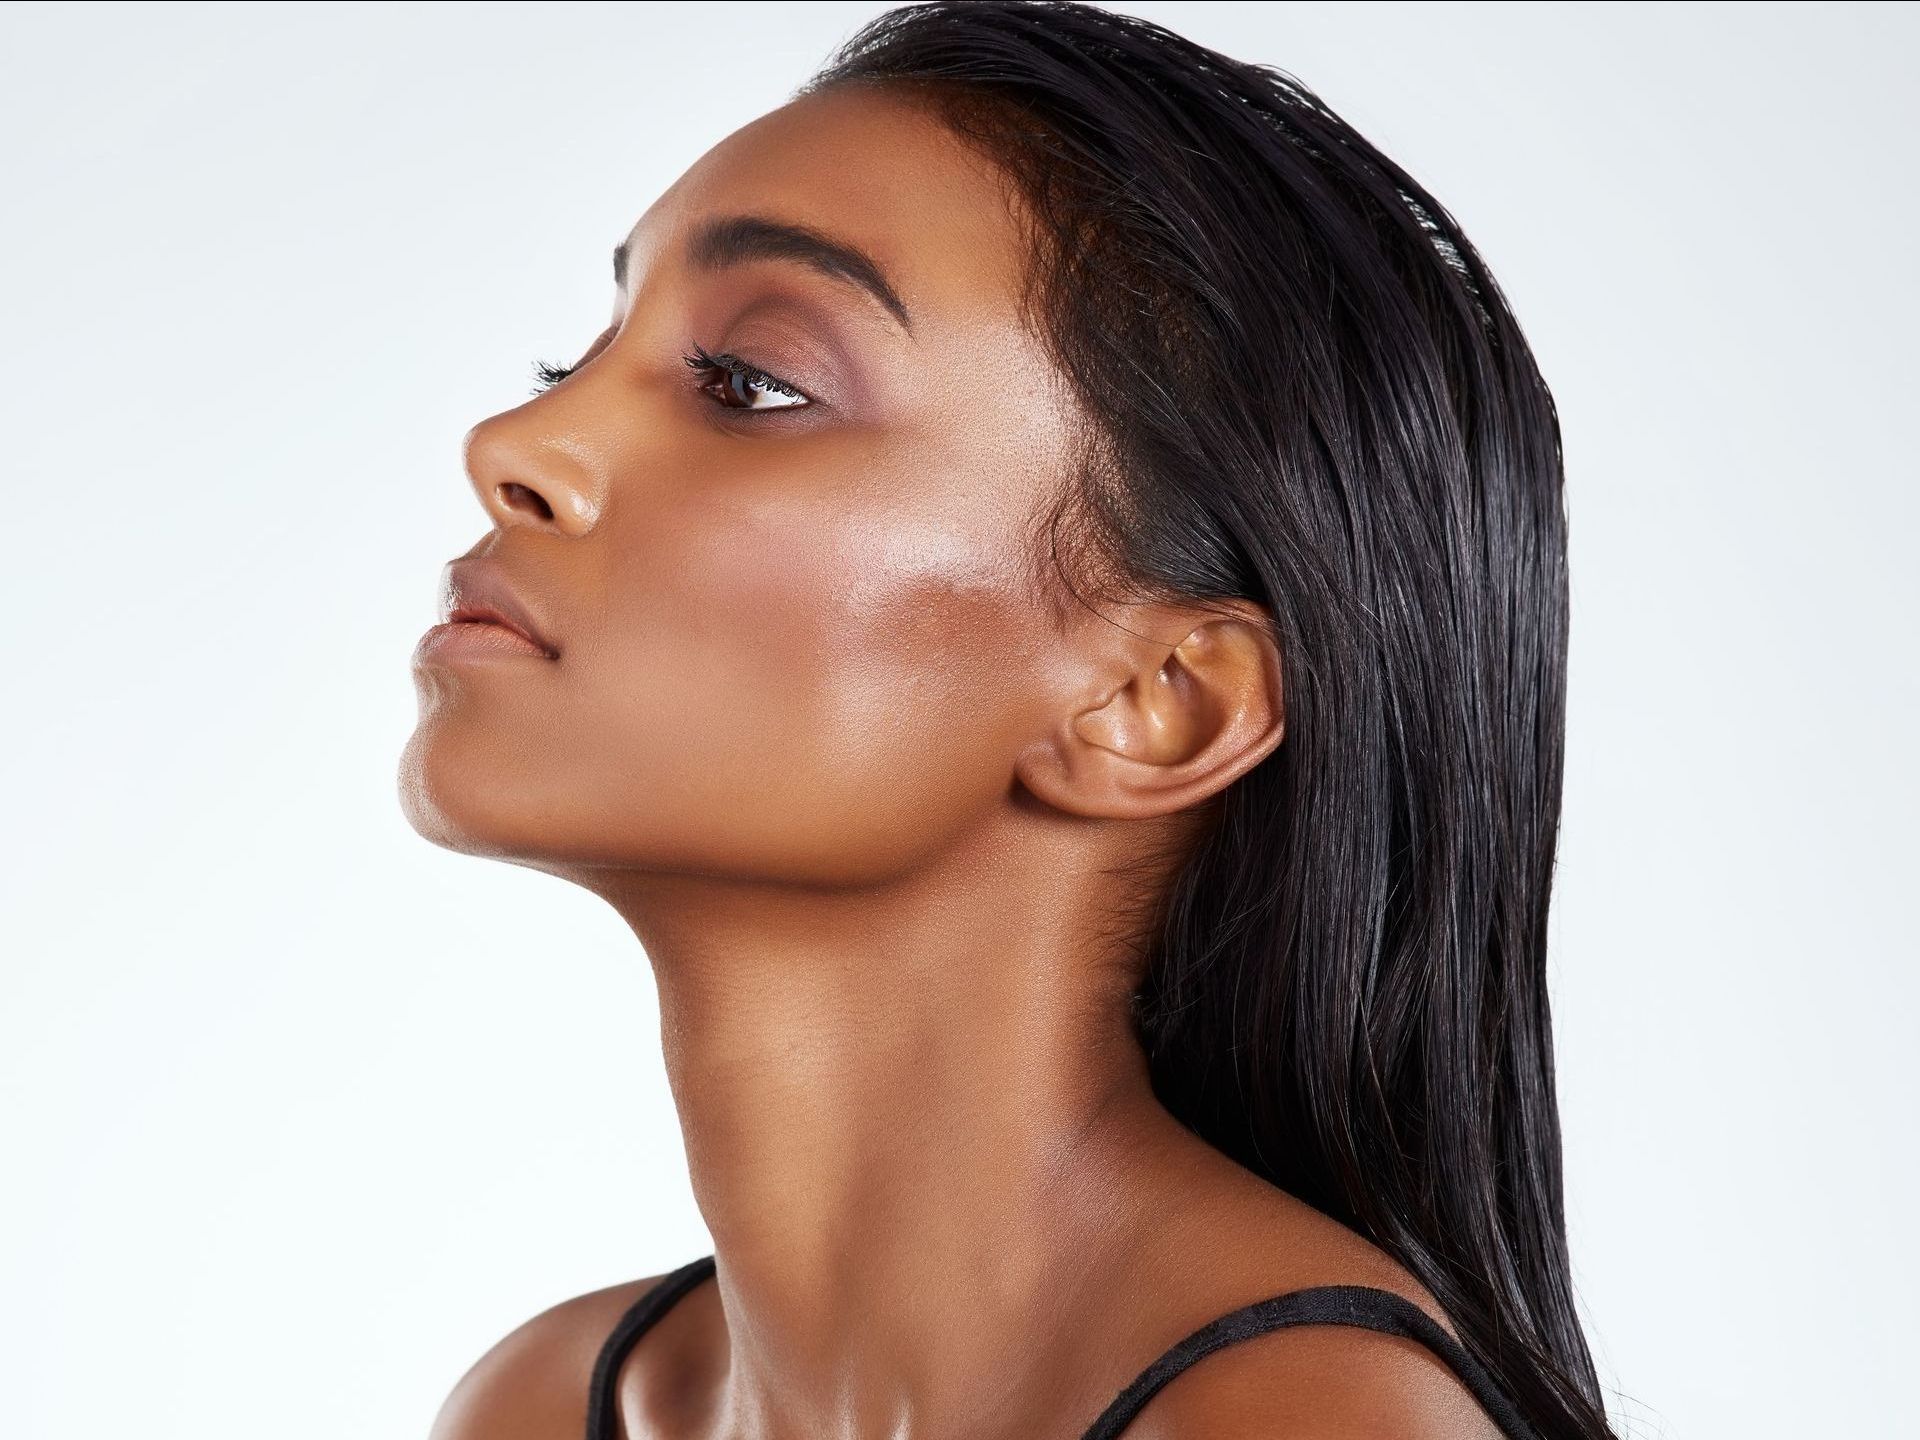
(302,1113)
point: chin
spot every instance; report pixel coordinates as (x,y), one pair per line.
(461,803)
(424,800)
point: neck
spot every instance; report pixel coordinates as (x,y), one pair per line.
(916,1122)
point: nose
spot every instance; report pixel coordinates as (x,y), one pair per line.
(525,474)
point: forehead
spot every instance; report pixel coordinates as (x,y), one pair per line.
(871,169)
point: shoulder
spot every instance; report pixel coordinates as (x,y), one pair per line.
(1318,1382)
(534,1380)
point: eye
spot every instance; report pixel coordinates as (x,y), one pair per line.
(736,385)
(547,376)
(733,383)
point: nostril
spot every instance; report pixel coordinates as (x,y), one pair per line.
(516,496)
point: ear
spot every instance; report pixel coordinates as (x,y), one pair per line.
(1172,721)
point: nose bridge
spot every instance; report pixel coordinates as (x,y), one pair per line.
(528,469)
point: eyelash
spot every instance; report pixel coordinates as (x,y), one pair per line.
(711,366)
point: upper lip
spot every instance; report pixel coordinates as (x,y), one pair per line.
(474,588)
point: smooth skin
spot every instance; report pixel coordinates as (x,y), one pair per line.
(881,804)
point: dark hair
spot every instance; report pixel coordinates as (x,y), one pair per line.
(1306,390)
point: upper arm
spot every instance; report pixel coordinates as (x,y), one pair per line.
(534,1381)
(1319,1382)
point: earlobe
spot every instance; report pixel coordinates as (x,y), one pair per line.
(1182,723)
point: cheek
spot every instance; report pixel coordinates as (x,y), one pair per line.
(826,692)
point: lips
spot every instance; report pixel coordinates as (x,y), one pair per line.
(474,589)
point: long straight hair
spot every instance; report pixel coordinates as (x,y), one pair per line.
(1306,390)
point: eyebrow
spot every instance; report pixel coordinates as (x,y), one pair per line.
(736,239)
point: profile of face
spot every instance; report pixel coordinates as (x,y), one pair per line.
(798,630)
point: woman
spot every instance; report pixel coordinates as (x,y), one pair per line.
(1045,612)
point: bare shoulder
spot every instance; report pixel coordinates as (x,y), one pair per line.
(1318,1382)
(1303,1382)
(534,1380)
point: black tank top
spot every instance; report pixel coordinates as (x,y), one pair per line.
(1360,1305)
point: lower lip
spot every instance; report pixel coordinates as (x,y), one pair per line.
(474,640)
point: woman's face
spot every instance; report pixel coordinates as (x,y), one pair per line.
(800,641)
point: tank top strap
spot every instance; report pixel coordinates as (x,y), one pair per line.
(1363,1306)
(638,1318)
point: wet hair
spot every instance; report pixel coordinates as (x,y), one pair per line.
(1304,389)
